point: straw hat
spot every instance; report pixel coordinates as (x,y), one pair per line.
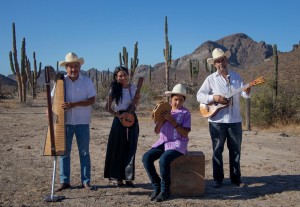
(218,53)
(178,89)
(71,58)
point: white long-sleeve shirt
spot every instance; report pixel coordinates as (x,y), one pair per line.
(216,84)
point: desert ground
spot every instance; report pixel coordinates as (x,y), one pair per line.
(270,164)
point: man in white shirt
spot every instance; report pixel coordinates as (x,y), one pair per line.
(80,95)
(227,122)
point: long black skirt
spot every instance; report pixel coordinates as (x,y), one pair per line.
(121,150)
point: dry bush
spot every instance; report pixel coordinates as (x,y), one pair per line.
(264,114)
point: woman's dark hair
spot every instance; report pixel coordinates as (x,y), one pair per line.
(116,87)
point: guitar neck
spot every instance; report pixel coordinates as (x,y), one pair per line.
(238,90)
(135,98)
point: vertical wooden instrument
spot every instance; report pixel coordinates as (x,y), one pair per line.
(129,119)
(55,140)
(55,144)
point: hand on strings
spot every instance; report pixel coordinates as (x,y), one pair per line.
(220,99)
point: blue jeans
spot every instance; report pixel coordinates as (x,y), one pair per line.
(165,159)
(82,133)
(219,132)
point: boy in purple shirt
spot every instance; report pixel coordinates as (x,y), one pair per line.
(172,143)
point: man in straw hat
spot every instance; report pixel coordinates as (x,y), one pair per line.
(80,95)
(227,122)
(172,143)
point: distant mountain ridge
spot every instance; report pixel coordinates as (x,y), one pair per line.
(7,81)
(246,54)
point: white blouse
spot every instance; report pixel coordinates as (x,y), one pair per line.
(127,97)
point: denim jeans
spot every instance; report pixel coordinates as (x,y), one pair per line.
(82,133)
(219,132)
(165,159)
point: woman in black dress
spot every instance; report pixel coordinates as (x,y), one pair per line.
(122,142)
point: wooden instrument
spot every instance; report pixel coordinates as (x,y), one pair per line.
(209,110)
(162,106)
(129,119)
(55,144)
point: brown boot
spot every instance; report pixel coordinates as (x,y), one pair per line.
(63,186)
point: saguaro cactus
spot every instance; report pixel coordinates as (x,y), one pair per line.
(124,58)
(35,75)
(134,61)
(105,79)
(97,79)
(168,55)
(57,63)
(194,70)
(14,63)
(150,74)
(275,85)
(24,77)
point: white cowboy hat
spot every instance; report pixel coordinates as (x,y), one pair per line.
(178,89)
(218,53)
(71,57)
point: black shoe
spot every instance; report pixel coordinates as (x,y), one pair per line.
(239,183)
(153,195)
(63,186)
(217,184)
(120,183)
(162,196)
(129,184)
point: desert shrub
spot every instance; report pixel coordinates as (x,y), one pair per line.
(264,114)
(261,108)
(287,107)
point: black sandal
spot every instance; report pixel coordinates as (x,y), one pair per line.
(130,184)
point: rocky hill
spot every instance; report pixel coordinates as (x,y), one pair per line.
(246,53)
(250,58)
(7,81)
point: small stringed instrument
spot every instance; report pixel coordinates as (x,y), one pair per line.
(129,119)
(209,110)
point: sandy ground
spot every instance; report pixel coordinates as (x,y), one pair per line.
(270,164)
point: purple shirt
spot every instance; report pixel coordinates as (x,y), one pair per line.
(169,136)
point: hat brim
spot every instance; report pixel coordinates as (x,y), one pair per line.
(211,61)
(64,63)
(169,93)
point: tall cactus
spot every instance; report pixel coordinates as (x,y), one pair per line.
(194,71)
(150,75)
(97,79)
(124,58)
(57,63)
(24,67)
(105,79)
(134,61)
(35,75)
(275,85)
(14,63)
(168,55)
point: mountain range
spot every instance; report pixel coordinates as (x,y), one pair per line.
(248,57)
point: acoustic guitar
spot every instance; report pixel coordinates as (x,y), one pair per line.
(209,110)
(129,119)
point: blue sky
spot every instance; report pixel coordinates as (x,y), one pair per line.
(97,30)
